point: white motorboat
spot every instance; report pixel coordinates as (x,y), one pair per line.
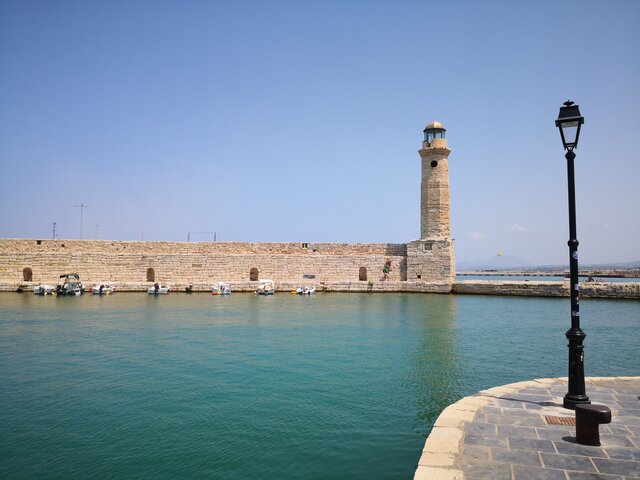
(221,288)
(71,285)
(158,289)
(306,290)
(103,289)
(43,289)
(266,287)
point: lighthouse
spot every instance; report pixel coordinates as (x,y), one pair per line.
(431,258)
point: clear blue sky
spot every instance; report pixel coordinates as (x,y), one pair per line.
(301,121)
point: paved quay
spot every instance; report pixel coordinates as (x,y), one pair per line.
(512,433)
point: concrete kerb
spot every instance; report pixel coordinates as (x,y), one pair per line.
(443,447)
(428,473)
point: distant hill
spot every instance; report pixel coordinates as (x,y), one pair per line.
(509,262)
(504,262)
(635,264)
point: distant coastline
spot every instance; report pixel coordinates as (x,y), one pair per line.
(595,273)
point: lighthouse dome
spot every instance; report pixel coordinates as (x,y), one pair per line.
(435,125)
(435,130)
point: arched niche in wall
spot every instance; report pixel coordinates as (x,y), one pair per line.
(253,274)
(362,274)
(27,274)
(151,275)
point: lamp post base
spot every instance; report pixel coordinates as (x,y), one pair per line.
(576,393)
(570,401)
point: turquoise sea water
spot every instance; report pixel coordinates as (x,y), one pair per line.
(333,386)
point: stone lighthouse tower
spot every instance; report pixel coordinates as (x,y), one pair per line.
(431,258)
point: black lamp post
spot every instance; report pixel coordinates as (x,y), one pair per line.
(569,122)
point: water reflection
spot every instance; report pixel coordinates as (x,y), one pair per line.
(436,374)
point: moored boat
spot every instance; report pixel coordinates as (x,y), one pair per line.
(103,289)
(158,289)
(221,288)
(266,287)
(306,290)
(44,289)
(71,285)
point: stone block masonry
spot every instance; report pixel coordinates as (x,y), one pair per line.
(430,260)
(202,263)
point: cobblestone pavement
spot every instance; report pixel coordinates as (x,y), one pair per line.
(504,433)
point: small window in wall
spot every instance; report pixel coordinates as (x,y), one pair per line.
(27,274)
(305,245)
(151,275)
(427,246)
(253,274)
(362,274)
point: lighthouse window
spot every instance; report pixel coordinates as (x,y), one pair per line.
(433,133)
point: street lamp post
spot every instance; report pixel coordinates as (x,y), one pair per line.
(82,206)
(569,122)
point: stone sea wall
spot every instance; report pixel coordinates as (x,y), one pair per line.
(202,263)
(629,290)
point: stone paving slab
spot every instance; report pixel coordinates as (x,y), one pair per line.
(503,433)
